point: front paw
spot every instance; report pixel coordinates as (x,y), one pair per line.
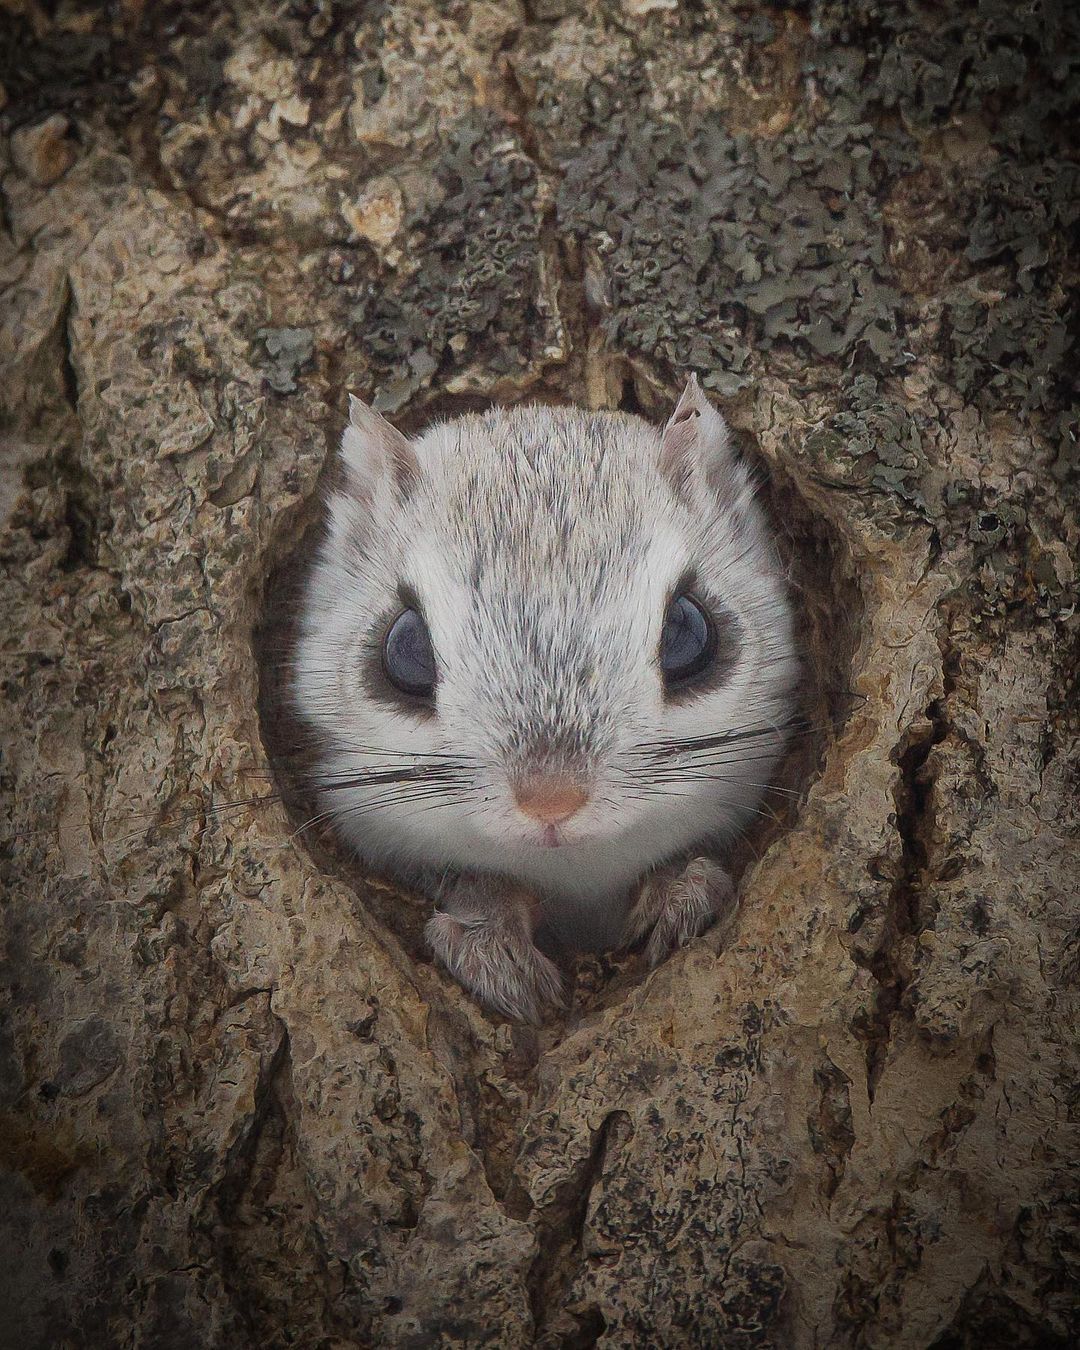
(676,907)
(495,958)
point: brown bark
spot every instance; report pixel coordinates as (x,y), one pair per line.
(239,1106)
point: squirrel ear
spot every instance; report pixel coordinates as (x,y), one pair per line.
(696,439)
(373,451)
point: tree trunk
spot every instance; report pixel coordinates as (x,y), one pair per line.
(239,1105)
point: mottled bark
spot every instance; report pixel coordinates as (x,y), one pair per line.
(238,1106)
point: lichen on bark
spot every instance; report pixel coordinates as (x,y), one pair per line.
(238,1106)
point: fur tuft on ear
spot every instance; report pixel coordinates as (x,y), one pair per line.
(696,441)
(375,453)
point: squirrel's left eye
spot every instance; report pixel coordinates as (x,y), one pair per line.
(687,642)
(408,657)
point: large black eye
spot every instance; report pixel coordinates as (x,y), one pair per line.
(408,657)
(688,641)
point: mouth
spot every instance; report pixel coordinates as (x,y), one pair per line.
(550,837)
(555,834)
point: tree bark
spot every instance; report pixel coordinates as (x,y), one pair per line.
(239,1105)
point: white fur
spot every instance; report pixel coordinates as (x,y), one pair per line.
(543,545)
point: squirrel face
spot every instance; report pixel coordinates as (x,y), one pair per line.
(545,642)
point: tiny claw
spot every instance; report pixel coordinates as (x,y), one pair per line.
(675,908)
(498,963)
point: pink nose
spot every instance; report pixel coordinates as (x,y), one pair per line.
(549,800)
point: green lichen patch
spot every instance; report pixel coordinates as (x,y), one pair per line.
(1004,81)
(720,247)
(1009,327)
(1017,64)
(288,350)
(471,293)
(874,444)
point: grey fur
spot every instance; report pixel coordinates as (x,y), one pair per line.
(542,545)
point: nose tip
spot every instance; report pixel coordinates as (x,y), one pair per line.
(550,800)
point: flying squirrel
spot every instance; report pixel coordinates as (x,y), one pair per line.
(548,659)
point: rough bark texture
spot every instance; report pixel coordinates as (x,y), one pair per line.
(239,1107)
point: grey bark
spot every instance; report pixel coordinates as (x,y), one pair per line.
(238,1106)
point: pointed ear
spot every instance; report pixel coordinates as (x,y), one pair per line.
(374,452)
(696,440)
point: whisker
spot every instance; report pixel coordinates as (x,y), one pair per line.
(720,762)
(727,778)
(376,778)
(356,809)
(789,730)
(351,748)
(697,744)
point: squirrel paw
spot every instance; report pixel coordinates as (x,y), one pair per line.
(498,962)
(676,907)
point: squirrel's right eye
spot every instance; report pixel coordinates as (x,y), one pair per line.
(688,641)
(408,657)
